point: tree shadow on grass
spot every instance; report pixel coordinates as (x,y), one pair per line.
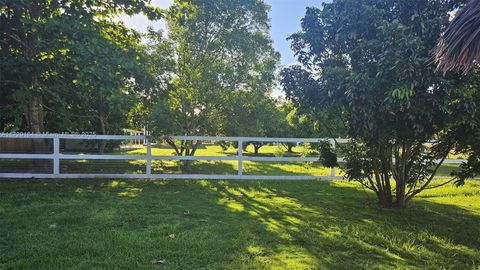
(286,168)
(338,227)
(196,167)
(225,225)
(230,167)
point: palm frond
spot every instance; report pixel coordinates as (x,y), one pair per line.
(459,48)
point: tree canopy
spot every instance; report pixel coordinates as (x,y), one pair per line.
(371,62)
(67,65)
(220,48)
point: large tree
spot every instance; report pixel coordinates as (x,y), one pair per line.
(66,65)
(371,61)
(219,47)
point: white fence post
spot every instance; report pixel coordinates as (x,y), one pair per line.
(332,169)
(145,134)
(149,157)
(240,158)
(56,156)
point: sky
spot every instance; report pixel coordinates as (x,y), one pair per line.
(285,16)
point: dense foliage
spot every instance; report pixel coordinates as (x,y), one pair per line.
(223,58)
(71,66)
(370,62)
(465,129)
(67,66)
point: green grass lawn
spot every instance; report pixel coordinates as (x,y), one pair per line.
(111,224)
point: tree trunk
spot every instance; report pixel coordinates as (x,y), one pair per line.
(289,148)
(383,199)
(388,188)
(256,147)
(34,119)
(187,165)
(34,114)
(400,196)
(34,108)
(384,194)
(103,126)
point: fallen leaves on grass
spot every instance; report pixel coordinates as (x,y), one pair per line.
(159,261)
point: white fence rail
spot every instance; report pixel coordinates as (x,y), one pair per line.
(57,156)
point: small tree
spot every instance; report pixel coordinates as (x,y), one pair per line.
(370,62)
(252,114)
(293,124)
(302,123)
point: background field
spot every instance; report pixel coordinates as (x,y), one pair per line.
(197,167)
(85,224)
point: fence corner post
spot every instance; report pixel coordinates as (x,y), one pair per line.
(240,158)
(149,157)
(56,156)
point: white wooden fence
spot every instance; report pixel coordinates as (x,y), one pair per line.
(56,156)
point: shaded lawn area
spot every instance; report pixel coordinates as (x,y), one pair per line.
(107,224)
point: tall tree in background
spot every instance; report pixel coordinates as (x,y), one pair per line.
(220,47)
(370,61)
(66,60)
(295,123)
(159,65)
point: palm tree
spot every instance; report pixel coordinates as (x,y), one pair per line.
(459,48)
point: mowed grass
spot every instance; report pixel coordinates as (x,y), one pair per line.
(172,166)
(249,167)
(113,224)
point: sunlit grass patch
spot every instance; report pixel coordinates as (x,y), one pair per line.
(203,224)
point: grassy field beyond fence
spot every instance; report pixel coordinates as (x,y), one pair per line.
(197,167)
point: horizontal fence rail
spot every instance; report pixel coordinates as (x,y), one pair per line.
(56,156)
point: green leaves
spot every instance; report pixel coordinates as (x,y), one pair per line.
(370,62)
(71,55)
(220,50)
(328,157)
(403,93)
